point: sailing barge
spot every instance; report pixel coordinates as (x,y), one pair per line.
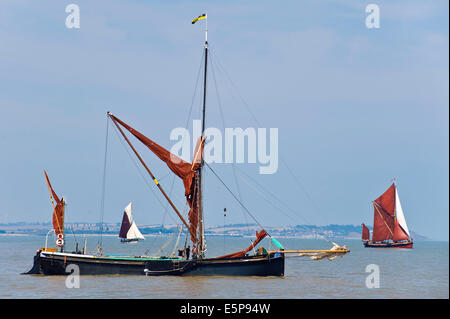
(50,261)
(389,223)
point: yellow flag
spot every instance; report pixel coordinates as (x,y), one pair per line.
(203,16)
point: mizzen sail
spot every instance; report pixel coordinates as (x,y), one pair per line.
(365,232)
(58,211)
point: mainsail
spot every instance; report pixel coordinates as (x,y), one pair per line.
(129,230)
(58,212)
(389,221)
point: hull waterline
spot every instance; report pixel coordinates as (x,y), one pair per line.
(56,264)
(369,244)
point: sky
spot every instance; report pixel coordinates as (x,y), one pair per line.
(354,107)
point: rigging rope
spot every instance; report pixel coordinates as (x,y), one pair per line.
(178,240)
(140,172)
(280,201)
(186,126)
(237,199)
(102,203)
(258,123)
(300,185)
(223,125)
(137,166)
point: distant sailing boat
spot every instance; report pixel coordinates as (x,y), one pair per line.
(129,232)
(389,223)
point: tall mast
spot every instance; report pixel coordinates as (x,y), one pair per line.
(201,242)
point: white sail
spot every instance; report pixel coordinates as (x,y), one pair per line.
(399,211)
(134,232)
(128,212)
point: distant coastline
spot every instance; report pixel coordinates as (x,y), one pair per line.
(231,230)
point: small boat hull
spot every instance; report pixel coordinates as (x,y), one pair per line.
(406,244)
(124,240)
(56,264)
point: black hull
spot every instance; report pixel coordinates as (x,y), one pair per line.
(370,244)
(55,264)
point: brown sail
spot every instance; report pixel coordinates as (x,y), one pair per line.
(384,214)
(259,236)
(365,233)
(383,224)
(399,233)
(184,170)
(387,200)
(58,210)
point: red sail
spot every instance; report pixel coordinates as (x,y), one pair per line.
(184,170)
(365,232)
(259,236)
(383,224)
(399,233)
(58,211)
(193,197)
(387,200)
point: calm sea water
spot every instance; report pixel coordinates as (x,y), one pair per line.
(422,272)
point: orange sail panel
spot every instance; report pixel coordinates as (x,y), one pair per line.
(184,170)
(259,236)
(58,210)
(365,233)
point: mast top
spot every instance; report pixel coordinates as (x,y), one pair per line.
(201,17)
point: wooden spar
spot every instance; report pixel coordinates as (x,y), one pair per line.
(339,251)
(151,175)
(383,219)
(49,190)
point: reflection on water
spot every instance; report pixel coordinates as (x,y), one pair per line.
(421,272)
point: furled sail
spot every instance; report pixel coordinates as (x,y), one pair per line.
(184,170)
(331,254)
(365,233)
(259,236)
(58,210)
(129,230)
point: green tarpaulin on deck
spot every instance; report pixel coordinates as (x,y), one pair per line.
(277,243)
